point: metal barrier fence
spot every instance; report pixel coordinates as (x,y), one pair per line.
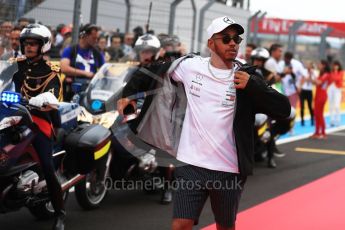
(12,10)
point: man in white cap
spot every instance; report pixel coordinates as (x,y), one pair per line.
(217,136)
(216,145)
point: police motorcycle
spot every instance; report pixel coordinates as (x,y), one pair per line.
(131,161)
(81,155)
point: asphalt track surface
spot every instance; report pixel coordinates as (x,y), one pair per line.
(139,210)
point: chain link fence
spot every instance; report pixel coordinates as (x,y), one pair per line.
(12,10)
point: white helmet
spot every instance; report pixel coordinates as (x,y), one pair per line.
(260,53)
(38,32)
(147,42)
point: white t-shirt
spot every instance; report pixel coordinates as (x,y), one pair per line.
(308,77)
(273,65)
(298,69)
(290,84)
(207,138)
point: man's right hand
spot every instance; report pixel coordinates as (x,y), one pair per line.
(122,104)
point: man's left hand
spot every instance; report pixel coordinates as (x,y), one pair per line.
(241,79)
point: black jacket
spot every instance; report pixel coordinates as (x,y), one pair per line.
(257,97)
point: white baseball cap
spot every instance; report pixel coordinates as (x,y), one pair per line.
(219,24)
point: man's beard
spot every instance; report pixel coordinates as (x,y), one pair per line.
(223,57)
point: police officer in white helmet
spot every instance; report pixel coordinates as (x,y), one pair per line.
(147,48)
(39,82)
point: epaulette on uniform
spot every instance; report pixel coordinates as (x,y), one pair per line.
(53,67)
(18,59)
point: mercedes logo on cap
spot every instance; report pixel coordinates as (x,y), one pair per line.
(228,20)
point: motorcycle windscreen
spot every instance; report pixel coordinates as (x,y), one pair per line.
(7,70)
(107,83)
(125,75)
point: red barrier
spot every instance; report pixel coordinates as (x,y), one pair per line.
(309,28)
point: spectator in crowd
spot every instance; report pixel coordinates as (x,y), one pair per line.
(272,64)
(59,37)
(115,50)
(80,62)
(320,99)
(66,33)
(102,46)
(5,31)
(54,52)
(248,52)
(127,46)
(14,50)
(292,73)
(307,92)
(334,93)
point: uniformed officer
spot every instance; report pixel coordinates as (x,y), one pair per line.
(39,82)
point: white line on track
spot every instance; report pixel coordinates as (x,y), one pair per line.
(305,136)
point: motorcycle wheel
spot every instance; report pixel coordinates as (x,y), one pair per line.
(45,211)
(90,192)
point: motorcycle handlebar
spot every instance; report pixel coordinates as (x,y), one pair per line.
(45,107)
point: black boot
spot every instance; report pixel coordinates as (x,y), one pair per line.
(168,174)
(59,223)
(277,152)
(58,203)
(271,163)
(166,196)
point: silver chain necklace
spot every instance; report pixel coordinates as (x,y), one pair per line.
(218,78)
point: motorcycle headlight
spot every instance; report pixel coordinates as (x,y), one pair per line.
(9,121)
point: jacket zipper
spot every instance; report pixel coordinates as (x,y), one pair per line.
(234,133)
